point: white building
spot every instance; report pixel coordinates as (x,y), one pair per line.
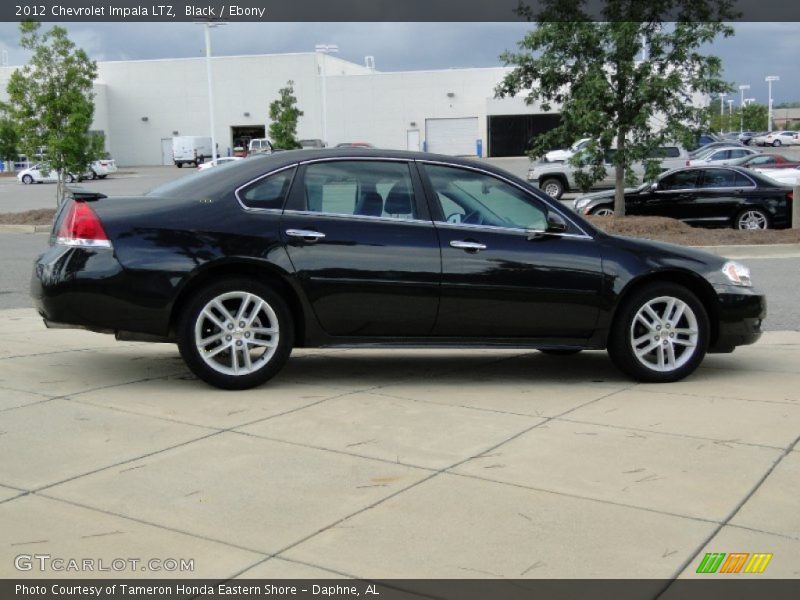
(140,105)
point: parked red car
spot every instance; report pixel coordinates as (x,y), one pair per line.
(766,161)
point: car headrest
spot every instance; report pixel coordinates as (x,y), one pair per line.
(399,200)
(370,204)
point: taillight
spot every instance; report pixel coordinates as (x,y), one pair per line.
(81,227)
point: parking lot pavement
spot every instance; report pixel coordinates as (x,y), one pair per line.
(395,464)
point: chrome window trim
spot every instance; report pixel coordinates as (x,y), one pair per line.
(559,210)
(311,213)
(491,228)
(344,158)
(259,178)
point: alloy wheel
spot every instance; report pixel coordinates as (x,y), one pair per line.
(664,334)
(237,333)
(603,212)
(752,219)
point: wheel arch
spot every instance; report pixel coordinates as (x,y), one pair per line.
(262,272)
(558,176)
(691,281)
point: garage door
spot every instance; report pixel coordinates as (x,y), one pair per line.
(456,137)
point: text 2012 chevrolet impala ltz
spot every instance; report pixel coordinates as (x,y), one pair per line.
(352,247)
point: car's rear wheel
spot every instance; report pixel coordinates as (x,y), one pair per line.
(27,179)
(752,218)
(553,188)
(236,334)
(179,165)
(660,334)
(602,211)
(776,143)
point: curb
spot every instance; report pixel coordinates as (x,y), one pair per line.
(4,228)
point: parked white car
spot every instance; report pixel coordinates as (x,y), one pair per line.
(100,169)
(782,138)
(784,176)
(566,154)
(42,173)
(224,160)
(721,156)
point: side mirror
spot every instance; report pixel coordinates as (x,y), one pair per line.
(555,223)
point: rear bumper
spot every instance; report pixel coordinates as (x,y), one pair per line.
(87,288)
(741,315)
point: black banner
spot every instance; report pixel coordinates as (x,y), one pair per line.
(716,586)
(333,10)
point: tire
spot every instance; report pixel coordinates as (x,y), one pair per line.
(220,369)
(102,176)
(655,347)
(194,164)
(179,165)
(93,175)
(552,187)
(27,179)
(776,143)
(559,351)
(69,178)
(602,211)
(751,219)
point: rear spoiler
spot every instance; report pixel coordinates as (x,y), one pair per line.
(82,194)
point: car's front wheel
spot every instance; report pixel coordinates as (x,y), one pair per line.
(602,211)
(27,179)
(660,334)
(553,188)
(776,143)
(236,334)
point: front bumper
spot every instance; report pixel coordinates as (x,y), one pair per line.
(741,316)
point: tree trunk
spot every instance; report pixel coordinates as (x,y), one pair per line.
(60,189)
(619,176)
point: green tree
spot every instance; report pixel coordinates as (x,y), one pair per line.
(284,114)
(52,103)
(629,104)
(9,136)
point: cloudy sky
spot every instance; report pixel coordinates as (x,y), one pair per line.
(757,49)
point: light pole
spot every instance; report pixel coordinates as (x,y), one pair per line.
(721,109)
(730,115)
(325,49)
(742,88)
(769,79)
(208,26)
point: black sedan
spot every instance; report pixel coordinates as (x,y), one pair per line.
(348,247)
(703,197)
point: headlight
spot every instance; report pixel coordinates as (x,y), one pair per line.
(737,273)
(580,203)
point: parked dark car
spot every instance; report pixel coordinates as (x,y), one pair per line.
(314,248)
(703,197)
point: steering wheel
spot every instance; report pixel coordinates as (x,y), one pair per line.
(473,218)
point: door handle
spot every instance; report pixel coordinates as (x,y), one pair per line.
(305,234)
(468,246)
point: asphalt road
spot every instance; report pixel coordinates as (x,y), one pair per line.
(772,275)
